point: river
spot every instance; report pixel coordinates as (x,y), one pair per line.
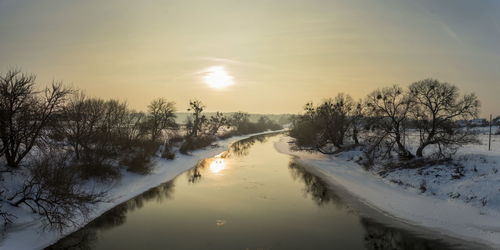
(251,197)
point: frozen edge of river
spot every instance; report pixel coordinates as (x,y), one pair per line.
(456,219)
(27,232)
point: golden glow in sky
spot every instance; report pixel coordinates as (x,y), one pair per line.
(217,77)
(270,56)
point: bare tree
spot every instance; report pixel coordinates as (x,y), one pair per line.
(335,115)
(137,127)
(215,122)
(326,124)
(240,121)
(116,115)
(196,126)
(198,119)
(306,130)
(101,132)
(24,113)
(437,106)
(82,118)
(356,120)
(390,108)
(161,116)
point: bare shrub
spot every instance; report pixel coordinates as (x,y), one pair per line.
(6,217)
(168,154)
(105,133)
(54,191)
(227,135)
(193,143)
(96,166)
(138,159)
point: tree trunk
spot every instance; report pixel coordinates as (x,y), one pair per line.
(355,136)
(403,152)
(11,160)
(77,151)
(420,151)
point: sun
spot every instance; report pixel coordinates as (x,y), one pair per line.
(217,77)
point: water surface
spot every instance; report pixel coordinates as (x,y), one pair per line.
(251,197)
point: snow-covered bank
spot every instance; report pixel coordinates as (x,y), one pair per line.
(399,194)
(27,231)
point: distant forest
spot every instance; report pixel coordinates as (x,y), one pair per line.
(282,119)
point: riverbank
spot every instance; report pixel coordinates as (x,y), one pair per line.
(27,232)
(397,194)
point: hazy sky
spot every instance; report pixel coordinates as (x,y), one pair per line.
(280,53)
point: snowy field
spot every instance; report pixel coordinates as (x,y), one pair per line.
(27,231)
(461,199)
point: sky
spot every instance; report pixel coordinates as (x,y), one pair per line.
(273,55)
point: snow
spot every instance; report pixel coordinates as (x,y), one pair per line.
(27,231)
(465,205)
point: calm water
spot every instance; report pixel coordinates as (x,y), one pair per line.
(251,198)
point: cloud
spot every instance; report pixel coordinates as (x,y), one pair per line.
(451,33)
(234,62)
(435,16)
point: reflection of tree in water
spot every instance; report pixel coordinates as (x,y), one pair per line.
(194,174)
(242,148)
(379,236)
(239,149)
(86,237)
(314,186)
(159,194)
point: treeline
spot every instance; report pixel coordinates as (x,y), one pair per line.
(413,124)
(56,141)
(203,130)
(281,119)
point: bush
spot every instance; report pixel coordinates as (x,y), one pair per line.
(227,135)
(139,158)
(193,143)
(97,164)
(55,192)
(305,132)
(98,170)
(139,164)
(6,217)
(175,139)
(167,154)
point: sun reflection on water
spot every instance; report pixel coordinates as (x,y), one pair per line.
(217,165)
